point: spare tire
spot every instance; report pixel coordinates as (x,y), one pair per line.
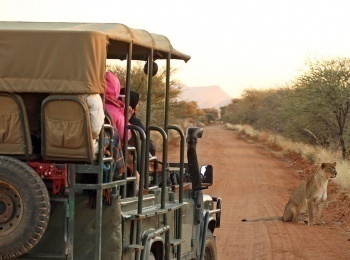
(24,208)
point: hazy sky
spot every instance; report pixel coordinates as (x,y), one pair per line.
(233,44)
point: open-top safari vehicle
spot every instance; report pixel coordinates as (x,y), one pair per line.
(57,199)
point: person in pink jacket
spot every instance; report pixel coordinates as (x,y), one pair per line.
(114,106)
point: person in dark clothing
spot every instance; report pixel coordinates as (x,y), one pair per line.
(134,120)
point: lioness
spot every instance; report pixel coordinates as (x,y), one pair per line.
(311,193)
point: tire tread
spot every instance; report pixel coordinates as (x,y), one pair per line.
(40,197)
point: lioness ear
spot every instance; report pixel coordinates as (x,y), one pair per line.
(334,164)
(322,165)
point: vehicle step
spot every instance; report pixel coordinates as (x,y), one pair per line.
(130,204)
(135,247)
(174,206)
(132,200)
(176,242)
(150,213)
(146,214)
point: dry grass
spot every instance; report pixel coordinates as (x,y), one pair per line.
(314,154)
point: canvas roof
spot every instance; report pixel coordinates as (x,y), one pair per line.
(70,57)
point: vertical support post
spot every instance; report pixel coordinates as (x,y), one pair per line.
(181,185)
(141,185)
(148,113)
(167,94)
(71,209)
(99,198)
(126,115)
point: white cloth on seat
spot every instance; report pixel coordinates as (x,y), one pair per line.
(97,115)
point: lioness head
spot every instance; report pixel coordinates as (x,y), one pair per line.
(329,170)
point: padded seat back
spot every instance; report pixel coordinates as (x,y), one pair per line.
(66,130)
(14,128)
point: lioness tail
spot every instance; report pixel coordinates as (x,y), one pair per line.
(263,219)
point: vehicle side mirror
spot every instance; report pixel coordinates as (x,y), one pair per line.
(206,175)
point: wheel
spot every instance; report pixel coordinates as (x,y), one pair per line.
(210,252)
(24,208)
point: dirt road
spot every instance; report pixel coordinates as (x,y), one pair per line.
(253,183)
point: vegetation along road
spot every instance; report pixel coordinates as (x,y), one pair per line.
(253,183)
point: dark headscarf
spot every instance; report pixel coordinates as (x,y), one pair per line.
(134,97)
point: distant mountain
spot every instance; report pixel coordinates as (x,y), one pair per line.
(206,97)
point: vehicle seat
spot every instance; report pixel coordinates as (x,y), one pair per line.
(14,128)
(65,129)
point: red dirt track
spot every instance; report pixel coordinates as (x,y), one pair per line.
(253,183)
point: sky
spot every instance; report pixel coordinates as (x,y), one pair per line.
(234,44)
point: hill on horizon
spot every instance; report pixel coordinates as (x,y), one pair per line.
(206,97)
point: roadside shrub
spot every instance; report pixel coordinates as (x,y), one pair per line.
(315,154)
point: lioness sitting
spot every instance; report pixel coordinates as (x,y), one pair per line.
(311,193)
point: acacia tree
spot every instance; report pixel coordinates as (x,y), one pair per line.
(211,113)
(232,112)
(258,108)
(262,109)
(321,98)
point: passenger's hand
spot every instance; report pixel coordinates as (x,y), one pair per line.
(131,112)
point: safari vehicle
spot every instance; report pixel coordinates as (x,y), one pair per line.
(57,199)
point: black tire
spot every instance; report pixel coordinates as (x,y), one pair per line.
(24,208)
(210,252)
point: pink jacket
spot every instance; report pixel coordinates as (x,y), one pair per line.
(113,105)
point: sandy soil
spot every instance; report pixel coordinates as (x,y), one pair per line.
(253,182)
